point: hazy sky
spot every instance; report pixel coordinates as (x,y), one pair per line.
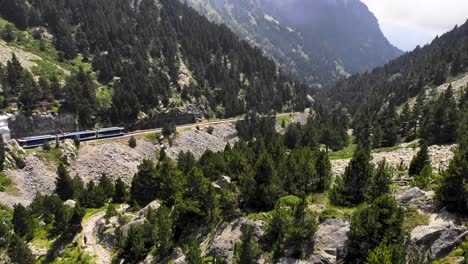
(407,23)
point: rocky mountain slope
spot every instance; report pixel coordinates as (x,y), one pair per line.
(319,41)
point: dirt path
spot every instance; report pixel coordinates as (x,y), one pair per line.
(92,247)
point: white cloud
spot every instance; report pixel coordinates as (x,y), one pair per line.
(408,23)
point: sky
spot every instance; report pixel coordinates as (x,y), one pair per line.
(408,23)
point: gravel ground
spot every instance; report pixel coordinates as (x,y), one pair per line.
(198,141)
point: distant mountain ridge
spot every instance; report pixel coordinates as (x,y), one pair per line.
(319,41)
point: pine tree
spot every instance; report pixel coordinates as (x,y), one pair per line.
(351,188)
(420,161)
(366,235)
(387,254)
(64,185)
(423,179)
(267,181)
(132,142)
(323,169)
(453,191)
(248,249)
(121,192)
(380,182)
(23,222)
(2,153)
(19,252)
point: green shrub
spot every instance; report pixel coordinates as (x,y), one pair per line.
(132,142)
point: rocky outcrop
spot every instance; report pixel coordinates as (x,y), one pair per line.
(330,240)
(415,197)
(227,235)
(441,236)
(177,117)
(21,125)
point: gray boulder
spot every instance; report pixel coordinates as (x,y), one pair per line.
(330,239)
(227,235)
(415,197)
(441,236)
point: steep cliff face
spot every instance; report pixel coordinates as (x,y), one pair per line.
(40,124)
(319,41)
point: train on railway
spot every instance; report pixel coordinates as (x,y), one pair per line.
(37,141)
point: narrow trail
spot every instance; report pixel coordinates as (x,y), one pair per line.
(92,247)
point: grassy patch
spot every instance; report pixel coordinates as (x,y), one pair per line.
(47,69)
(345,153)
(322,198)
(153,137)
(93,211)
(261,216)
(41,238)
(104,97)
(413,218)
(332,213)
(74,254)
(51,157)
(286,118)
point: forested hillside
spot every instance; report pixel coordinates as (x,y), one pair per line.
(320,41)
(412,96)
(149,56)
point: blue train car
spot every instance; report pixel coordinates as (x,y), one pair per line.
(32,142)
(82,135)
(111,132)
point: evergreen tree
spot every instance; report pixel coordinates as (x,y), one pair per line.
(351,188)
(372,224)
(106,186)
(121,192)
(420,160)
(423,179)
(268,183)
(384,254)
(380,182)
(248,250)
(64,185)
(19,252)
(323,169)
(22,222)
(132,142)
(2,153)
(453,191)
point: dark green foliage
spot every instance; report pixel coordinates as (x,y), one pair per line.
(132,142)
(7,33)
(453,191)
(22,222)
(193,252)
(423,179)
(19,252)
(420,161)
(323,170)
(111,211)
(385,254)
(46,147)
(380,182)
(248,249)
(168,129)
(292,227)
(268,183)
(371,224)
(121,194)
(210,130)
(350,188)
(2,153)
(96,196)
(64,184)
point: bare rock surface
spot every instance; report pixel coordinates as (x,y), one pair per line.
(443,234)
(92,245)
(36,177)
(330,238)
(227,235)
(115,159)
(198,141)
(415,197)
(26,59)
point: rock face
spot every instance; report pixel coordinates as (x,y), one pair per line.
(227,235)
(416,197)
(41,124)
(330,239)
(441,236)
